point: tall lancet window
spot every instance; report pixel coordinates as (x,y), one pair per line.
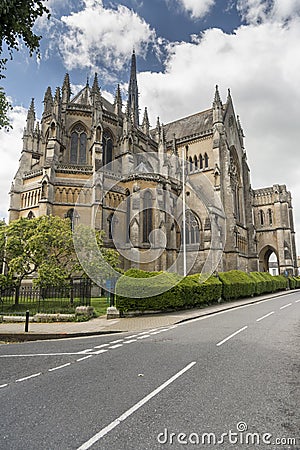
(128,208)
(147,216)
(78,145)
(107,143)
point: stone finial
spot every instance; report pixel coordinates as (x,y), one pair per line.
(48,100)
(146,123)
(118,101)
(30,121)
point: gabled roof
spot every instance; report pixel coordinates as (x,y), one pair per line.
(84,97)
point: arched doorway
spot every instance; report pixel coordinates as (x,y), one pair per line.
(268,259)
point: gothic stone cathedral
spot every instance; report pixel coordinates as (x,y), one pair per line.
(79,136)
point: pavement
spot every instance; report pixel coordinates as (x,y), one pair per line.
(14,332)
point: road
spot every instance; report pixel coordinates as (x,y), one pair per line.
(228,381)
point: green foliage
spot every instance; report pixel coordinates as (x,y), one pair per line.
(294,282)
(178,293)
(17,18)
(236,284)
(43,246)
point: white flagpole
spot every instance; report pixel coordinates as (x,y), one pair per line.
(183,213)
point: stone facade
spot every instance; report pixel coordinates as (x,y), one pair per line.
(87,154)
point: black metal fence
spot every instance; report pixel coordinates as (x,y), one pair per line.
(48,299)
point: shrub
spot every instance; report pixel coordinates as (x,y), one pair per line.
(237,284)
(177,292)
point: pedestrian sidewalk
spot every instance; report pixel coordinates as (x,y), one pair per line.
(56,330)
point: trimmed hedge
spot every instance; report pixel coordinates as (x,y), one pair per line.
(135,290)
(178,293)
(236,284)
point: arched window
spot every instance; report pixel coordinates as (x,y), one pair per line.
(196,162)
(206,160)
(110,225)
(270,216)
(261,216)
(128,207)
(73,216)
(190,164)
(78,145)
(107,143)
(147,216)
(30,215)
(192,230)
(200,161)
(98,134)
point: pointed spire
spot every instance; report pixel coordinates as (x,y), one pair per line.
(133,95)
(217,107)
(217,99)
(118,101)
(95,87)
(146,123)
(66,90)
(57,95)
(48,100)
(30,117)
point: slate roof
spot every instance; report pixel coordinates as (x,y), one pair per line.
(198,123)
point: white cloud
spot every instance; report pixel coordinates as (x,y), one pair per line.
(10,149)
(98,33)
(197,8)
(260,65)
(258,11)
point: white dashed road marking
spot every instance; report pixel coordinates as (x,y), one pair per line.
(232,335)
(30,376)
(59,367)
(285,306)
(265,316)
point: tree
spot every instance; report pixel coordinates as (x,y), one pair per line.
(43,247)
(17,18)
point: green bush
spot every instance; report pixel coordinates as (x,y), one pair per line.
(261,284)
(237,284)
(294,282)
(177,292)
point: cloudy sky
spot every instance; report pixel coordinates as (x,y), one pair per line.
(184,48)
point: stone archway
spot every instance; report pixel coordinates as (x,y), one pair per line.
(264,257)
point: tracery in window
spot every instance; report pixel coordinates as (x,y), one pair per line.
(78,145)
(192,229)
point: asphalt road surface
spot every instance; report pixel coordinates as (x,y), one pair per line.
(227,381)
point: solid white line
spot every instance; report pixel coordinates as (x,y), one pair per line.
(85,357)
(115,342)
(129,342)
(263,317)
(100,346)
(30,376)
(100,351)
(297,301)
(144,337)
(131,410)
(285,306)
(3,385)
(116,346)
(232,335)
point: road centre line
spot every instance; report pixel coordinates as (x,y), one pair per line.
(30,376)
(85,357)
(133,336)
(265,316)
(3,385)
(102,345)
(129,342)
(116,346)
(297,301)
(100,351)
(59,367)
(285,306)
(144,337)
(134,408)
(232,335)
(85,351)
(40,354)
(117,341)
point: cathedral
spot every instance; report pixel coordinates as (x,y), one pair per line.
(165,197)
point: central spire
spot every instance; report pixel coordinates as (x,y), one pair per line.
(133,94)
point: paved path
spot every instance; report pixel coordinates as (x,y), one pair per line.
(100,325)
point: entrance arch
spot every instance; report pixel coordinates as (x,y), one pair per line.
(264,258)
